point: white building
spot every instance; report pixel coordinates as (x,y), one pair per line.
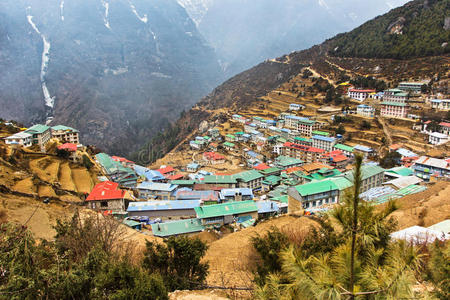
(365,110)
(295,106)
(360,94)
(21,138)
(323,142)
(437,138)
(440,104)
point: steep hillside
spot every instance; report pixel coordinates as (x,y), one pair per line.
(118,71)
(284,75)
(420,28)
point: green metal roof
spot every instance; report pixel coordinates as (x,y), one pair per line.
(239,133)
(302,139)
(177,227)
(282,199)
(316,187)
(393,103)
(323,133)
(367,171)
(270,170)
(225,209)
(402,171)
(228,144)
(214,179)
(342,183)
(37,129)
(182,182)
(272,179)
(286,161)
(248,175)
(344,147)
(62,127)
(230,136)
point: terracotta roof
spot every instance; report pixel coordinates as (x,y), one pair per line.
(314,166)
(69,147)
(339,158)
(106,191)
(292,170)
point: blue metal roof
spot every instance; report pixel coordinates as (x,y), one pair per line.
(163,205)
(155,186)
(267,207)
(324,138)
(233,192)
(406,153)
(252,154)
(150,175)
(363,148)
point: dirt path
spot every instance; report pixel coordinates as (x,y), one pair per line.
(386,131)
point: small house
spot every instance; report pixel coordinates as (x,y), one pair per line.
(226,213)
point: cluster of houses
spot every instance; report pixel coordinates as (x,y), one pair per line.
(396,103)
(310,173)
(40,135)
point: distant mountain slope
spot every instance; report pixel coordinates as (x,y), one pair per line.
(245,33)
(417,29)
(244,89)
(117,70)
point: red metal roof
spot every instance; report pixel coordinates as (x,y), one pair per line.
(121,159)
(68,146)
(303,147)
(261,166)
(293,169)
(213,156)
(166,170)
(339,158)
(106,190)
(445,124)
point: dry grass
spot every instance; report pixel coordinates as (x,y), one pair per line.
(65,177)
(46,191)
(46,168)
(25,186)
(82,179)
(232,258)
(425,209)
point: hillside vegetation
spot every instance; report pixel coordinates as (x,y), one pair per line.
(419,28)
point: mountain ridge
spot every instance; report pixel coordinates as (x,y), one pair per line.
(235,95)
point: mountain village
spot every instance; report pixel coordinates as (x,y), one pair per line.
(251,168)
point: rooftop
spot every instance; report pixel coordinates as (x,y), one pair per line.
(158,205)
(106,190)
(248,176)
(433,162)
(37,129)
(344,147)
(226,209)
(316,187)
(177,227)
(156,186)
(64,128)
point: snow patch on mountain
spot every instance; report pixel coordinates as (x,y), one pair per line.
(142,19)
(61,10)
(106,15)
(49,100)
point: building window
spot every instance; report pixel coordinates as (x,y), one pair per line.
(104,204)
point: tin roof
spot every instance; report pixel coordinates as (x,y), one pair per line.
(226,209)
